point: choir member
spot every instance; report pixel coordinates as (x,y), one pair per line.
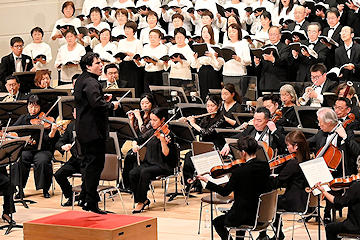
(105,48)
(68,58)
(300,22)
(284,11)
(167,15)
(230,20)
(121,16)
(152,19)
(89,4)
(160,159)
(247,182)
(262,33)
(151,5)
(38,48)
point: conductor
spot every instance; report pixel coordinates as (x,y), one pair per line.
(92,109)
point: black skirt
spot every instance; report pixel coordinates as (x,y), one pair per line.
(133,75)
(209,78)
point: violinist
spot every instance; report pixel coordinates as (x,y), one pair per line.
(12,84)
(206,130)
(41,159)
(140,121)
(271,102)
(342,108)
(231,104)
(344,140)
(289,99)
(291,178)
(160,158)
(351,95)
(350,199)
(247,182)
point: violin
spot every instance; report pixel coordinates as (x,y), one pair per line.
(14,135)
(278,161)
(42,119)
(163,129)
(344,182)
(220,171)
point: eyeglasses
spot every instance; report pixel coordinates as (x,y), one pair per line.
(112,73)
(316,77)
(11,85)
(339,108)
(18,46)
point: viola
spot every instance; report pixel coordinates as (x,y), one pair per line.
(278,161)
(344,182)
(220,171)
(42,119)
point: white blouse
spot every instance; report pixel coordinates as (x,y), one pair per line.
(134,47)
(35,49)
(236,68)
(103,51)
(275,18)
(216,63)
(65,21)
(157,53)
(181,70)
(144,35)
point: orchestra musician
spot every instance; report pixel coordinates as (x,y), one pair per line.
(112,75)
(342,109)
(42,79)
(247,181)
(271,102)
(160,158)
(345,141)
(91,127)
(41,159)
(291,177)
(16,61)
(140,121)
(289,100)
(350,199)
(71,166)
(351,95)
(12,84)
(231,104)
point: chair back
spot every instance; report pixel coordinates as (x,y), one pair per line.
(111,166)
(267,207)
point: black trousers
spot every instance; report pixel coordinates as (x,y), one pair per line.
(130,163)
(5,189)
(69,168)
(219,225)
(93,161)
(152,78)
(140,178)
(333,229)
(42,169)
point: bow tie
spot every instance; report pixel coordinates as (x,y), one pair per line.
(17,58)
(328,133)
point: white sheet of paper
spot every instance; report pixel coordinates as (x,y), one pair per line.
(316,171)
(204,162)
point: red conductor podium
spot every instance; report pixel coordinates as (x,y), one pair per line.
(76,225)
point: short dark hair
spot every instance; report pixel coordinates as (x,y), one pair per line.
(161,35)
(314,24)
(177,15)
(122,11)
(247,144)
(111,65)
(333,10)
(180,30)
(214,99)
(87,60)
(95,9)
(105,30)
(33,99)
(37,29)
(153,14)
(238,28)
(263,110)
(15,40)
(70,30)
(273,97)
(318,67)
(68,3)
(160,113)
(207,13)
(10,77)
(346,100)
(132,25)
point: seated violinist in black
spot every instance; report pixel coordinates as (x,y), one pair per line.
(41,159)
(160,158)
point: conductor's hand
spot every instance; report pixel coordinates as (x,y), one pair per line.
(116,104)
(66,147)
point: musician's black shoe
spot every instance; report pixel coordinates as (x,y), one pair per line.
(68,203)
(281,237)
(93,208)
(17,196)
(46,194)
(327,220)
(263,236)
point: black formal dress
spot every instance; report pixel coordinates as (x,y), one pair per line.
(91,131)
(236,108)
(7,67)
(72,165)
(350,199)
(288,118)
(41,160)
(330,60)
(247,182)
(5,189)
(342,58)
(272,74)
(155,163)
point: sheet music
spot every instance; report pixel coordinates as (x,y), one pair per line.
(316,171)
(204,162)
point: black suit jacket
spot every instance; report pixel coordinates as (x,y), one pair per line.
(353,20)
(329,86)
(304,63)
(341,58)
(91,109)
(247,182)
(7,66)
(67,138)
(350,147)
(272,74)
(20,96)
(330,60)
(120,83)
(304,26)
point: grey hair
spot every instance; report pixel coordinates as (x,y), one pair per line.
(290,89)
(327,115)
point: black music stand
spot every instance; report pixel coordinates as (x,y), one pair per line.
(183,134)
(65,106)
(243,117)
(36,132)
(123,127)
(119,92)
(12,110)
(329,99)
(126,105)
(9,153)
(164,98)
(26,80)
(306,116)
(48,97)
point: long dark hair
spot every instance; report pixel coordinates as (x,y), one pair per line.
(296,137)
(231,88)
(281,6)
(160,113)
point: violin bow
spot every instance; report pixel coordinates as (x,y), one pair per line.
(124,96)
(59,98)
(4,133)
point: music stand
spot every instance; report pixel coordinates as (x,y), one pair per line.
(65,106)
(329,99)
(242,117)
(126,105)
(36,132)
(216,92)
(12,110)
(191,109)
(9,153)
(26,81)
(308,132)
(227,132)
(48,97)
(119,92)
(163,97)
(183,134)
(123,127)
(306,116)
